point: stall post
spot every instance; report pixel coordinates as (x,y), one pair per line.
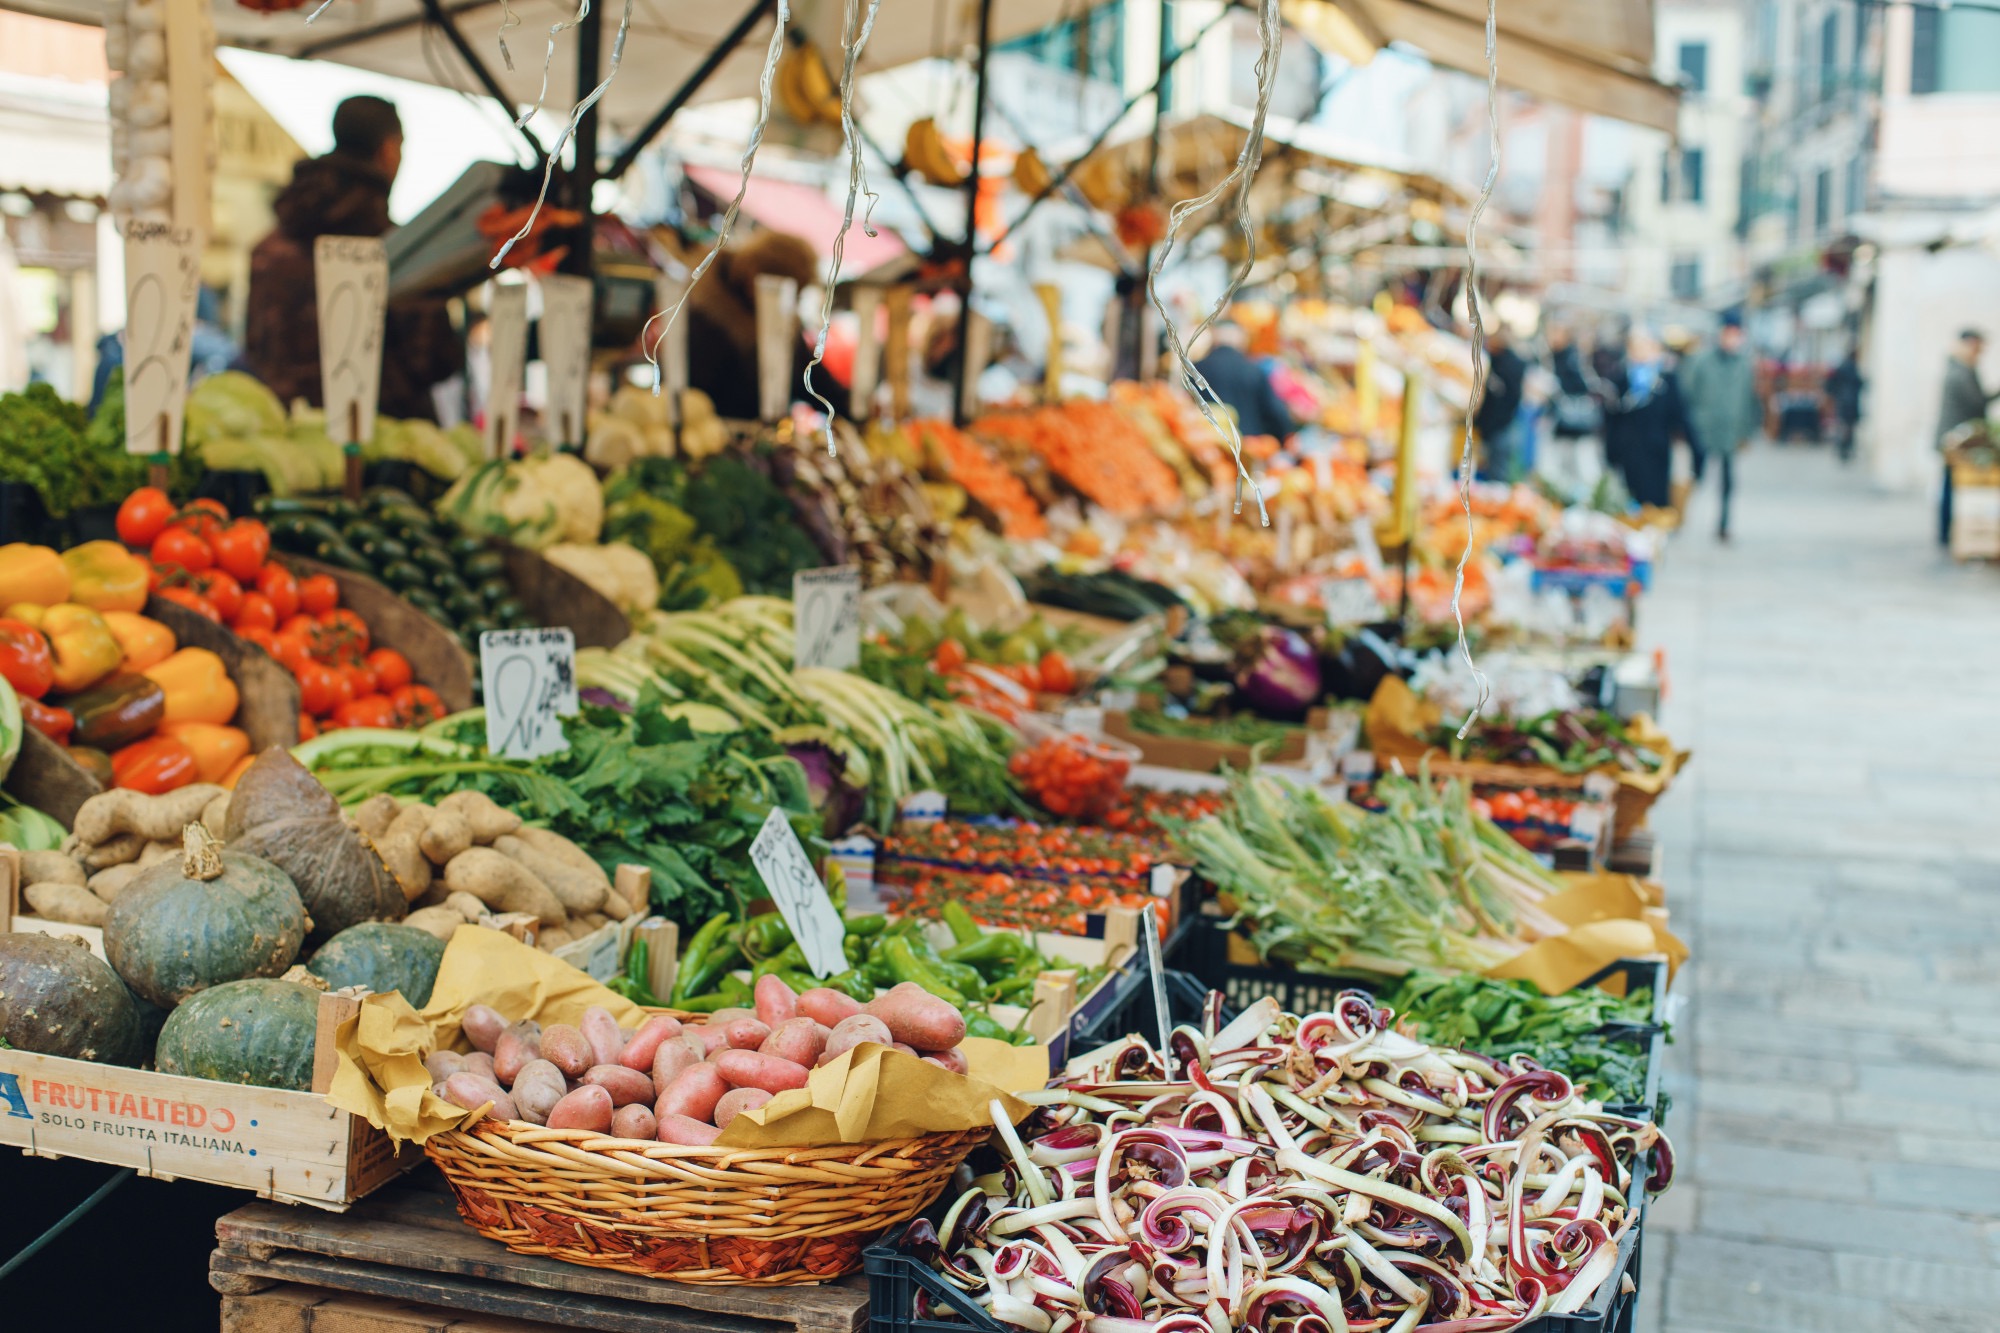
(583,177)
(960,393)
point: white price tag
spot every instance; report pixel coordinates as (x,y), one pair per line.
(162,280)
(1585,823)
(1350,601)
(507,351)
(1363,532)
(1160,881)
(826,617)
(801,898)
(351,281)
(530,680)
(566,311)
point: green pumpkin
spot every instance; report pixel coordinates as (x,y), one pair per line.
(58,998)
(203,918)
(256,1031)
(383,958)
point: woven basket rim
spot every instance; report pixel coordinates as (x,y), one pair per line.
(571,1148)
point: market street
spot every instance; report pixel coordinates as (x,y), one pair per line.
(1831,862)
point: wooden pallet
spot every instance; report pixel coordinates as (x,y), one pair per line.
(1639,852)
(406,1244)
(288,1308)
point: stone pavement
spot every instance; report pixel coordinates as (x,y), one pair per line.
(1833,859)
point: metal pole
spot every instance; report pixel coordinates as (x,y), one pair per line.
(436,13)
(972,206)
(583,177)
(709,64)
(36,1245)
(1135,300)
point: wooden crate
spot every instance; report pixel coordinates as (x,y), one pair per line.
(294,1309)
(407,1247)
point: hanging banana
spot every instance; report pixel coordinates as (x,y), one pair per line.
(1031,174)
(924,153)
(805,85)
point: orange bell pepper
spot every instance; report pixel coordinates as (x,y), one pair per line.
(237,770)
(33,574)
(147,643)
(154,765)
(104,576)
(216,749)
(197,686)
(85,649)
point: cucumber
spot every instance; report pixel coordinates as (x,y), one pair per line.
(403,575)
(302,534)
(433,560)
(464,548)
(510,613)
(485,565)
(463,607)
(494,590)
(383,550)
(337,552)
(271,506)
(422,599)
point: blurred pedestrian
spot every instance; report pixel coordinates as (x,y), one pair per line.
(1720,385)
(1642,419)
(1498,419)
(1576,415)
(1843,398)
(1243,385)
(1965,399)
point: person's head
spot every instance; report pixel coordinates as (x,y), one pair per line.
(778,253)
(369,128)
(1560,337)
(1731,336)
(1971,343)
(1641,347)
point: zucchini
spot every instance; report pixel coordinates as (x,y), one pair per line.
(403,575)
(338,552)
(464,548)
(510,613)
(382,549)
(463,606)
(301,533)
(433,560)
(422,599)
(271,506)
(493,590)
(485,565)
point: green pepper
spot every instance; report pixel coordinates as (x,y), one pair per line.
(709,1003)
(861,927)
(992,955)
(905,965)
(963,979)
(851,984)
(983,1024)
(765,935)
(964,930)
(877,969)
(800,981)
(854,950)
(706,959)
(1018,984)
(631,983)
(792,957)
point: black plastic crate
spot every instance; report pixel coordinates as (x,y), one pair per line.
(1128,1008)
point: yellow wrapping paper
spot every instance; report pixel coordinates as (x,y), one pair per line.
(868,1094)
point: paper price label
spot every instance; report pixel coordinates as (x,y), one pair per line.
(530,680)
(826,617)
(1586,822)
(508,350)
(566,310)
(351,281)
(162,280)
(1350,601)
(801,898)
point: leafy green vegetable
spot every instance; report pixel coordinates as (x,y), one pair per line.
(41,445)
(693,573)
(1240,729)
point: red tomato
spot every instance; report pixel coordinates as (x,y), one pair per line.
(204,518)
(302,626)
(391,668)
(263,638)
(370,710)
(278,583)
(179,546)
(318,594)
(360,678)
(345,629)
(144,516)
(307,727)
(321,689)
(242,548)
(255,612)
(293,651)
(192,600)
(1057,676)
(417,705)
(223,591)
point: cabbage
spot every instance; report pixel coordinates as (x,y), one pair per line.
(231,405)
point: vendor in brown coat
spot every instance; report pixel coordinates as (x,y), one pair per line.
(345,193)
(722,325)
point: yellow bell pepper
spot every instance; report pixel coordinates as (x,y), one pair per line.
(104,576)
(86,650)
(147,643)
(197,686)
(216,749)
(33,574)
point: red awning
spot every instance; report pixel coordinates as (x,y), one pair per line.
(802,211)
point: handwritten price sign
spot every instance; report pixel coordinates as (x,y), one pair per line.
(801,898)
(827,618)
(351,279)
(162,280)
(530,679)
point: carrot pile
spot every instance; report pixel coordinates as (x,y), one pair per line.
(1097,450)
(972,465)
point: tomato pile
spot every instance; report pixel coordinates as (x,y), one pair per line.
(1025,875)
(1141,810)
(221,568)
(1072,775)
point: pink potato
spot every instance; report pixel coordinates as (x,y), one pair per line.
(851,1032)
(751,1069)
(568,1049)
(601,1030)
(693,1094)
(723,1016)
(480,1063)
(745,1034)
(589,1107)
(518,1045)
(441,1065)
(626,1086)
(777,1003)
(799,1041)
(687,1131)
(472,1092)
(645,1044)
(712,1036)
(917,1018)
(904,1047)
(540,1086)
(953,1059)
(483,1027)
(825,1005)
(635,1122)
(736,1101)
(674,1056)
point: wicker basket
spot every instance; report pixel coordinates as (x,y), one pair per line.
(732,1216)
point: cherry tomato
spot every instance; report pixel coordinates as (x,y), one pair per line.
(950,656)
(359,678)
(345,629)
(192,600)
(293,651)
(321,689)
(302,625)
(370,710)
(392,669)
(282,587)
(255,612)
(417,705)
(318,594)
(263,637)
(205,518)
(223,591)
(180,546)
(1057,675)
(144,516)
(242,548)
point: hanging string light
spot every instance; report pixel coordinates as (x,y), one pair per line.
(548,59)
(1479,360)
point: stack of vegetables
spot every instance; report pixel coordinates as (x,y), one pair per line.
(552,503)
(1248,1178)
(972,469)
(1095,450)
(221,569)
(73,462)
(1022,876)
(1570,741)
(999,671)
(134,707)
